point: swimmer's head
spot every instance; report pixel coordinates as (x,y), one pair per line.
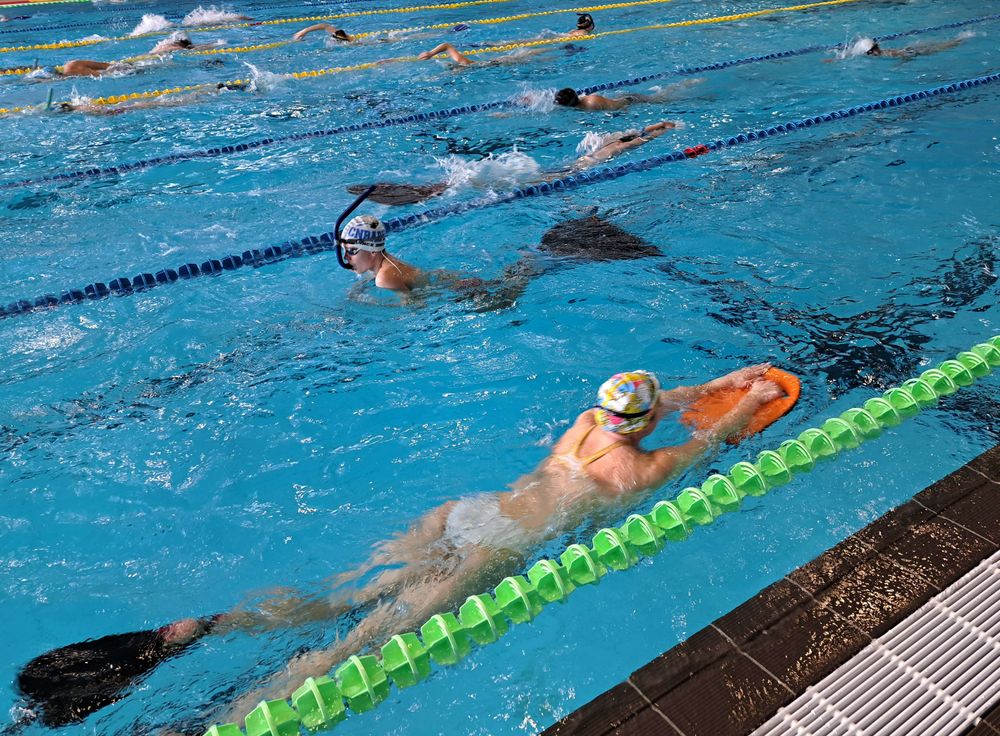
(65,107)
(341,34)
(181,40)
(460,27)
(585,22)
(567,97)
(626,402)
(875,50)
(362,237)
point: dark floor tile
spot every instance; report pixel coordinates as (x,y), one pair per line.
(940,551)
(602,714)
(885,530)
(831,566)
(951,488)
(765,608)
(731,698)
(988,464)
(877,595)
(979,512)
(680,663)
(992,717)
(647,722)
(982,729)
(805,646)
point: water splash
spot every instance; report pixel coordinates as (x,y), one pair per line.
(536,100)
(506,169)
(151,23)
(208,16)
(261,80)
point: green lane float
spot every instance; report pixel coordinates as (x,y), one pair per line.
(364,681)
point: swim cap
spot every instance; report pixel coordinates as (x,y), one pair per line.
(625,402)
(365,232)
(584,21)
(460,27)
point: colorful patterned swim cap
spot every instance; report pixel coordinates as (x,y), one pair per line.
(625,402)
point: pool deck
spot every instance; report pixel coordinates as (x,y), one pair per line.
(749,671)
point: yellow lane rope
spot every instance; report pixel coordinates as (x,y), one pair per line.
(117,99)
(437,26)
(205,29)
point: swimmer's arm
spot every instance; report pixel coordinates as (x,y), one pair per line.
(299,35)
(662,464)
(681,396)
(446,48)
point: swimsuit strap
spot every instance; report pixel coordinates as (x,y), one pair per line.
(584,461)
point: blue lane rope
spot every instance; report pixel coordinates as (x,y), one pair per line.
(438,114)
(123,286)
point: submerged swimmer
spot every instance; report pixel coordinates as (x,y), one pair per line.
(595,473)
(569,98)
(91,108)
(400,194)
(333,32)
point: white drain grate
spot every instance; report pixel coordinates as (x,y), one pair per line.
(931,675)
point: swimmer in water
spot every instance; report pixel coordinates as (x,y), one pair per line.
(595,473)
(363,243)
(612,148)
(401,194)
(569,98)
(871,47)
(460,59)
(91,108)
(338,34)
(179,41)
(584,25)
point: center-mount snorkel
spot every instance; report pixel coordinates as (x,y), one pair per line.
(340,221)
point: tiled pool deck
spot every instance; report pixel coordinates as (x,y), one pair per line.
(733,676)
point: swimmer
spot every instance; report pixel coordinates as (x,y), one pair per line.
(871,47)
(90,68)
(179,41)
(594,474)
(628,141)
(569,98)
(584,25)
(90,108)
(335,33)
(363,246)
(461,59)
(5,19)
(400,194)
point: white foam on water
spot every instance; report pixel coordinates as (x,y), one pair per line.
(151,23)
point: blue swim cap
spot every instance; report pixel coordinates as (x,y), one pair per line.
(460,27)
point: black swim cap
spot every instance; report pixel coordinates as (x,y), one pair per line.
(567,97)
(585,21)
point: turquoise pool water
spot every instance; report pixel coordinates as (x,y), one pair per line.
(171,453)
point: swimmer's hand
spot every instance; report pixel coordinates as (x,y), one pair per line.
(745,376)
(762,391)
(424,55)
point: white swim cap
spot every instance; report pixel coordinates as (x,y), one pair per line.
(364,232)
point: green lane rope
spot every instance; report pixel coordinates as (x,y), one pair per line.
(364,681)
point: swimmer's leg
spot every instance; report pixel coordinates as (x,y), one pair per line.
(478,570)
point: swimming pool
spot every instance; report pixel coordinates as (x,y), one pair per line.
(169,453)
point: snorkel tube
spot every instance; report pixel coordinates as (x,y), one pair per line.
(340,221)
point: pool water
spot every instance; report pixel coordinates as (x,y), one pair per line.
(180,451)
